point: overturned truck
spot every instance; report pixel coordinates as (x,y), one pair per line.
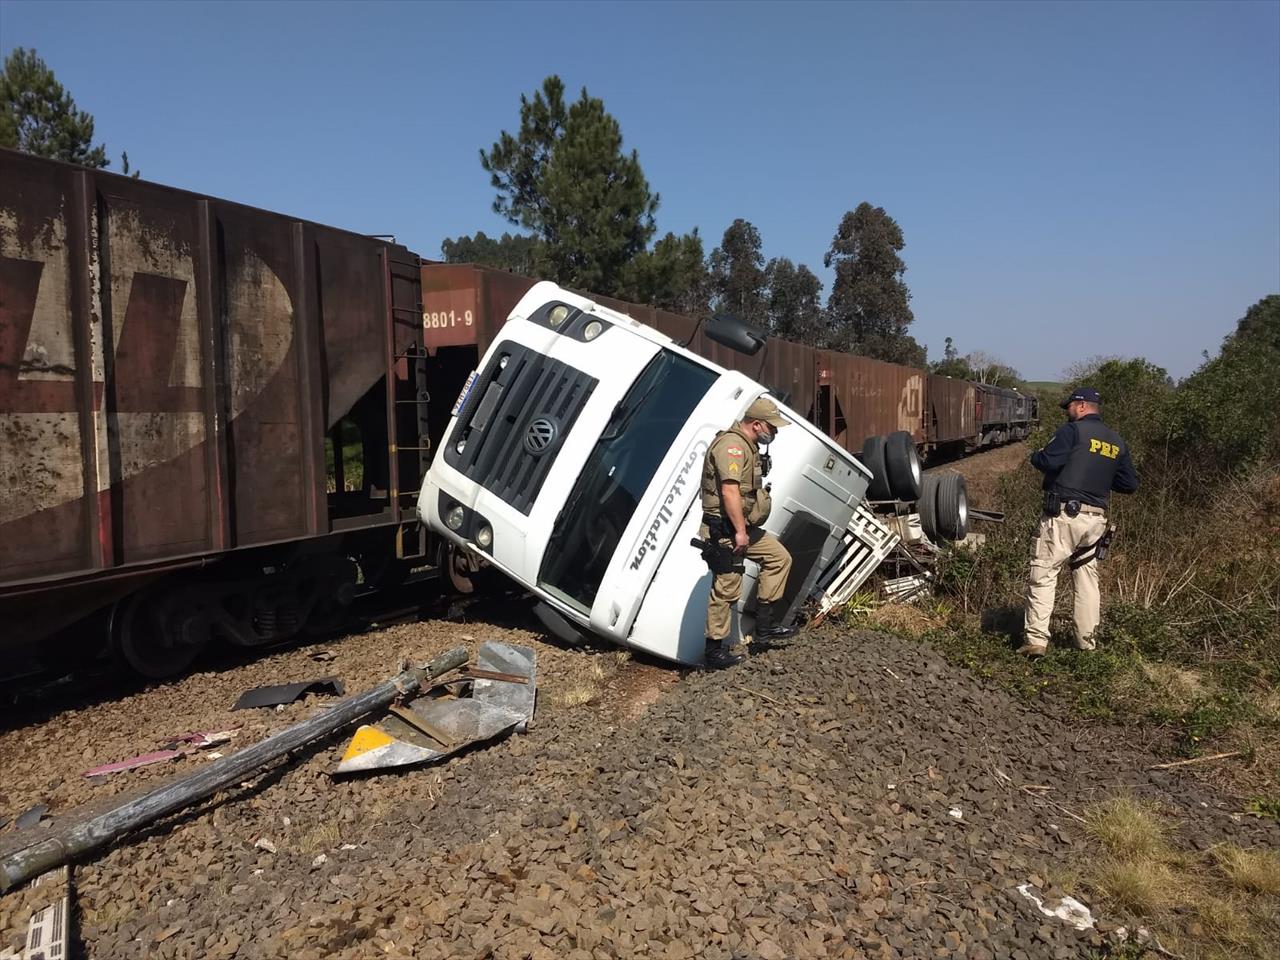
(572,464)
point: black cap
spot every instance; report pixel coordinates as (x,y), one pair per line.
(1086,394)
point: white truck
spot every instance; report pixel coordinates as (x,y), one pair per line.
(573,463)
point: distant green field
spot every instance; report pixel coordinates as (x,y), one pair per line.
(1046,388)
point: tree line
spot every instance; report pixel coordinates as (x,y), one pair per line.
(585,216)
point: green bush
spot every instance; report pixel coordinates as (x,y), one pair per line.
(1228,411)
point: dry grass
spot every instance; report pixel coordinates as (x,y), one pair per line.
(1141,887)
(1130,829)
(902,618)
(1223,905)
(1253,871)
(575,694)
(321,836)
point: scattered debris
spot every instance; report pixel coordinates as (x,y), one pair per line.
(31,816)
(89,831)
(262,843)
(48,930)
(432,728)
(1068,908)
(955,813)
(182,746)
(323,656)
(288,692)
(319,861)
(904,589)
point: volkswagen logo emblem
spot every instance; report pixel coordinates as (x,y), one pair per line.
(540,435)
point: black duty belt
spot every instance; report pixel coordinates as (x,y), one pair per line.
(1073,508)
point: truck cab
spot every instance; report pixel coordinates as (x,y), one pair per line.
(572,463)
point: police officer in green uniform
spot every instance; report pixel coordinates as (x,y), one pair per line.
(1084,462)
(734,505)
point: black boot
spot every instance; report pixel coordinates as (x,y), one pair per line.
(718,656)
(768,626)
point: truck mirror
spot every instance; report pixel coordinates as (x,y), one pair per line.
(733,333)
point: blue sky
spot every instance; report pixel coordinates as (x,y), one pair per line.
(1071,179)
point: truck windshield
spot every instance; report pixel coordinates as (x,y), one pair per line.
(643,426)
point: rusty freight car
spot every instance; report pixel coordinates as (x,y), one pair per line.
(212,417)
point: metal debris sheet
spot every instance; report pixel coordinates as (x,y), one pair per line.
(432,728)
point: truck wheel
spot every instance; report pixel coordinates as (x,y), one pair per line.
(902,465)
(148,641)
(952,504)
(557,625)
(929,506)
(460,568)
(872,458)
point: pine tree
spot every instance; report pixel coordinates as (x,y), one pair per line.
(38,116)
(565,178)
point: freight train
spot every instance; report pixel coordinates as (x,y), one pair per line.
(215,420)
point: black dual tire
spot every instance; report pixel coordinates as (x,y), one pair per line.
(928,507)
(894,465)
(944,507)
(872,458)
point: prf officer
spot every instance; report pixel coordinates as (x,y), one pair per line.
(734,505)
(1084,462)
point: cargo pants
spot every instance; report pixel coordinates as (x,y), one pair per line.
(1058,538)
(726,589)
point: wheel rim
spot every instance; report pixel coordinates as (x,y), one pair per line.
(458,570)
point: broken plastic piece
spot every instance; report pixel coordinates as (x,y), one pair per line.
(288,692)
(181,746)
(1068,908)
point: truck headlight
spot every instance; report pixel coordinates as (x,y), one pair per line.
(558,315)
(460,445)
(454,518)
(592,330)
(484,537)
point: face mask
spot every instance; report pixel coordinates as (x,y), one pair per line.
(768,434)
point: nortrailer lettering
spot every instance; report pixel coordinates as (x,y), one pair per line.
(665,511)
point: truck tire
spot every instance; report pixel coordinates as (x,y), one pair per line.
(952,505)
(872,458)
(928,505)
(902,466)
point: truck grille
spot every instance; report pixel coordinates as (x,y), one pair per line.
(514,422)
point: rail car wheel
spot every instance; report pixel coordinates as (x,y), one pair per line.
(902,466)
(872,458)
(147,639)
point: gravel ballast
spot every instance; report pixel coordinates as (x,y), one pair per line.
(848,795)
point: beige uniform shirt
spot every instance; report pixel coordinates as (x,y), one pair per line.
(734,457)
